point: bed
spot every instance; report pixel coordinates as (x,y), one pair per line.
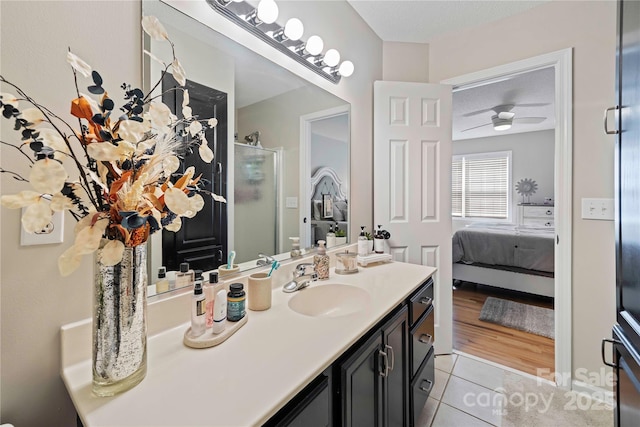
(328,203)
(513,257)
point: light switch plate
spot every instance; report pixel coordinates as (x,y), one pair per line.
(53,233)
(292,202)
(600,209)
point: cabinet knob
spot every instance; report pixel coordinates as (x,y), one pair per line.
(606,117)
(426,339)
(549,212)
(429,386)
(426,301)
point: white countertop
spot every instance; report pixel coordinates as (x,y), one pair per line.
(246,379)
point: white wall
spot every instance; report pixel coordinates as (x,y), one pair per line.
(405,62)
(590,28)
(532,155)
(36,301)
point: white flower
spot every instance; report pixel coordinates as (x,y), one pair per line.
(178,72)
(78,64)
(60,202)
(175,225)
(177,201)
(213,122)
(69,261)
(185,97)
(107,152)
(170,164)
(195,127)
(160,115)
(205,152)
(33,116)
(187,112)
(218,198)
(47,176)
(36,216)
(53,140)
(88,238)
(112,253)
(8,98)
(154,28)
(20,200)
(155,58)
(131,130)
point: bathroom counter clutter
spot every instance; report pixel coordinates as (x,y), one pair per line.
(248,378)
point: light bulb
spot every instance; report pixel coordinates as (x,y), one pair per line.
(267,11)
(331,58)
(314,45)
(293,29)
(502,127)
(346,68)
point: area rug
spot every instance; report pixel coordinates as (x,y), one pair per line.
(524,317)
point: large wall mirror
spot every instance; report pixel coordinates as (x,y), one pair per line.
(282,150)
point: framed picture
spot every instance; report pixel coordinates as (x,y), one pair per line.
(327,206)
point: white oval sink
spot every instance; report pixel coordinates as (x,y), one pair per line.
(329,300)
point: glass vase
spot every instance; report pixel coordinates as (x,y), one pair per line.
(120,322)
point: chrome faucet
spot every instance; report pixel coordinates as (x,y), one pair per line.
(303,275)
(268,260)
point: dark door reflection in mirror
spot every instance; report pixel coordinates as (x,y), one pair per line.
(265,103)
(201,240)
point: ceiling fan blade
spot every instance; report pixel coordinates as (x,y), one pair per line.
(475,113)
(530,120)
(535,104)
(506,115)
(476,127)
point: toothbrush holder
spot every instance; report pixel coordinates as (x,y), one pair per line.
(259,292)
(224,271)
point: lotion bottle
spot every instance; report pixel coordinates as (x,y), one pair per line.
(210,295)
(331,237)
(198,311)
(378,241)
(295,247)
(162,285)
(363,243)
(219,312)
(184,277)
(321,261)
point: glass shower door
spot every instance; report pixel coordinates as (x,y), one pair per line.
(256,202)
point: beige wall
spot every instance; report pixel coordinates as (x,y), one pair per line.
(36,301)
(405,62)
(589,28)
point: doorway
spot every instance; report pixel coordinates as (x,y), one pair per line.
(561,64)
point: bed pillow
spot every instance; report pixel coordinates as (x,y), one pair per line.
(341,206)
(316,209)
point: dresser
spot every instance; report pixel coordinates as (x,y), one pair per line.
(533,214)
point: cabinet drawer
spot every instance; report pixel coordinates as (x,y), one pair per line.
(540,222)
(421,387)
(538,211)
(421,340)
(420,301)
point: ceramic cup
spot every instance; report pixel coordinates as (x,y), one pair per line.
(259,292)
(224,271)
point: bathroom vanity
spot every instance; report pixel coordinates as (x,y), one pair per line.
(361,354)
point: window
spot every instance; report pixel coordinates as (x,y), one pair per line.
(480,185)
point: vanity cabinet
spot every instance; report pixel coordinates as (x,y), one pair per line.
(538,215)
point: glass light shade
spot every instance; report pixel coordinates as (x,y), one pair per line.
(331,57)
(502,127)
(267,11)
(346,68)
(293,29)
(314,45)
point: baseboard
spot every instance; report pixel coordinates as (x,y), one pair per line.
(594,392)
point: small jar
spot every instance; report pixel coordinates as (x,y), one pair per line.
(236,299)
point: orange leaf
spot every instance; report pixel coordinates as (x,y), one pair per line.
(81,108)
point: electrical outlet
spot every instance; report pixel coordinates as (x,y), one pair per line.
(52,233)
(601,209)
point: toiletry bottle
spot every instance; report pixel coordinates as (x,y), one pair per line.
(295,247)
(236,299)
(321,261)
(185,276)
(363,243)
(162,285)
(210,296)
(378,241)
(198,311)
(219,312)
(331,237)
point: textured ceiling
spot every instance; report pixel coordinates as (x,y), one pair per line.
(418,21)
(535,87)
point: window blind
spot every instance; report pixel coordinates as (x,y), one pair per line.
(480,186)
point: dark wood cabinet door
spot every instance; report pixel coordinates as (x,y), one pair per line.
(361,386)
(396,381)
(202,240)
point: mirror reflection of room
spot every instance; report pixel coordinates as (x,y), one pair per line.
(264,158)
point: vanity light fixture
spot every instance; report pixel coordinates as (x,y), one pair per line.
(261,22)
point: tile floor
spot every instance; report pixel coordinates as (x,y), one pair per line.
(468,392)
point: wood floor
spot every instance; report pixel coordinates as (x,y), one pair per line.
(516,349)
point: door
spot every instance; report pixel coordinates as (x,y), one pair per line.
(202,240)
(396,380)
(412,184)
(361,386)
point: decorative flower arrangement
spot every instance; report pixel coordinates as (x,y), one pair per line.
(125,184)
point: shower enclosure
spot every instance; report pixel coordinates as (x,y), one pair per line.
(256,201)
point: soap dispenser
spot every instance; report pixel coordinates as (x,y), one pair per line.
(321,261)
(363,243)
(295,247)
(378,241)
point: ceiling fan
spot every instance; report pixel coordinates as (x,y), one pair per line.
(504,118)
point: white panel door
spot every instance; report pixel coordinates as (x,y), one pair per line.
(412,184)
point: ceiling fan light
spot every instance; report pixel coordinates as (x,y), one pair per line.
(501,127)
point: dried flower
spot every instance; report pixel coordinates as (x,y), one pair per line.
(126,164)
